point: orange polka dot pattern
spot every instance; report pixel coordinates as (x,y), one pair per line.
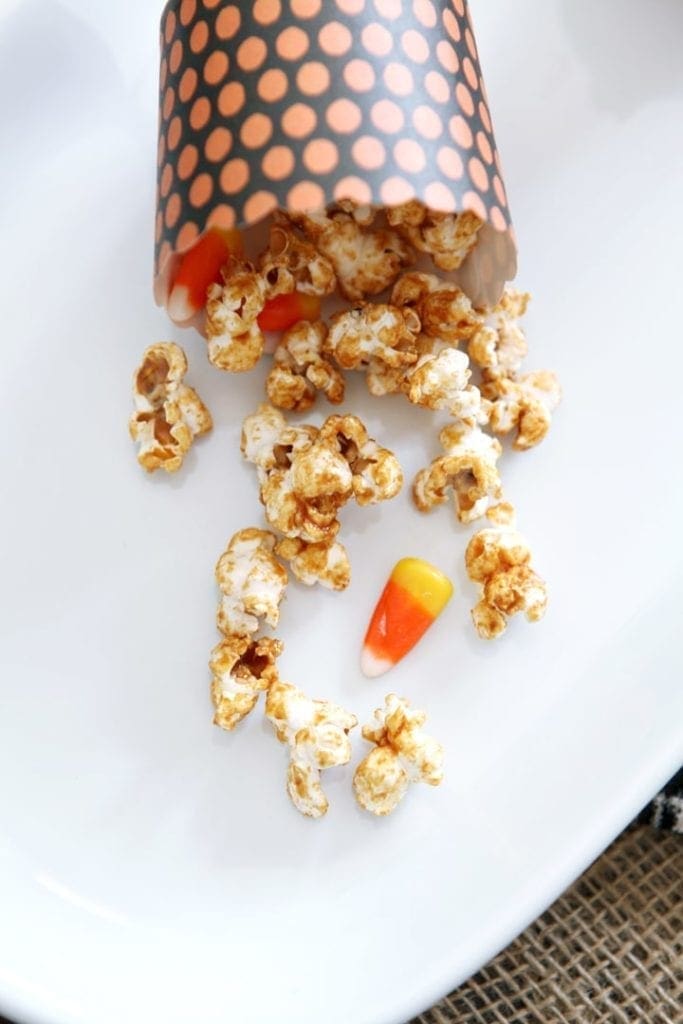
(296,103)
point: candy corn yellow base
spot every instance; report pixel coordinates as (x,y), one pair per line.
(428,585)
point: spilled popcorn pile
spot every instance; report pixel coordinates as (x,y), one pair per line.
(410,332)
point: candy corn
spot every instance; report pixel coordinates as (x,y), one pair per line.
(286,310)
(413,598)
(199,267)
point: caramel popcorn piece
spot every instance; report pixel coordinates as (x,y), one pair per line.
(441,381)
(261,434)
(468,469)
(498,558)
(252,583)
(371,334)
(363,213)
(402,754)
(447,237)
(299,369)
(443,309)
(499,344)
(327,564)
(376,472)
(391,380)
(312,518)
(235,340)
(301,490)
(306,475)
(290,263)
(168,414)
(366,260)
(522,403)
(317,734)
(242,668)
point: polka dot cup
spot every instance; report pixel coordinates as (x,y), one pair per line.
(298,103)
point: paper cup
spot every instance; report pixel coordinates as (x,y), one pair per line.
(299,103)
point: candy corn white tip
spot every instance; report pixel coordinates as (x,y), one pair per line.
(372,666)
(179,308)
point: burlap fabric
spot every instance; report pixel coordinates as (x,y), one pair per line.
(609,951)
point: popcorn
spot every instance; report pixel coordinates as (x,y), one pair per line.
(390,380)
(280,453)
(499,343)
(373,334)
(252,583)
(291,263)
(261,434)
(522,403)
(376,472)
(362,213)
(168,414)
(242,668)
(442,382)
(468,468)
(235,340)
(447,237)
(313,519)
(307,475)
(443,309)
(327,564)
(386,380)
(299,369)
(317,733)
(498,558)
(366,260)
(403,754)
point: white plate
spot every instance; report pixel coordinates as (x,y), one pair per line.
(151,866)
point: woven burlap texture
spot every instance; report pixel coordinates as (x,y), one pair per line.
(609,951)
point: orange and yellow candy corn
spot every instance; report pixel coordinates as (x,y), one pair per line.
(413,598)
(286,310)
(199,267)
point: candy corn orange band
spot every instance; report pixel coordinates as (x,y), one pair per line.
(413,598)
(201,266)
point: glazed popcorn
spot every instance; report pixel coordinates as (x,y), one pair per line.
(402,754)
(302,488)
(443,309)
(327,564)
(252,583)
(524,404)
(468,469)
(363,213)
(376,472)
(366,259)
(317,734)
(312,518)
(306,475)
(373,334)
(299,369)
(499,344)
(291,263)
(447,237)
(498,558)
(268,440)
(441,381)
(241,668)
(390,380)
(168,414)
(235,340)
